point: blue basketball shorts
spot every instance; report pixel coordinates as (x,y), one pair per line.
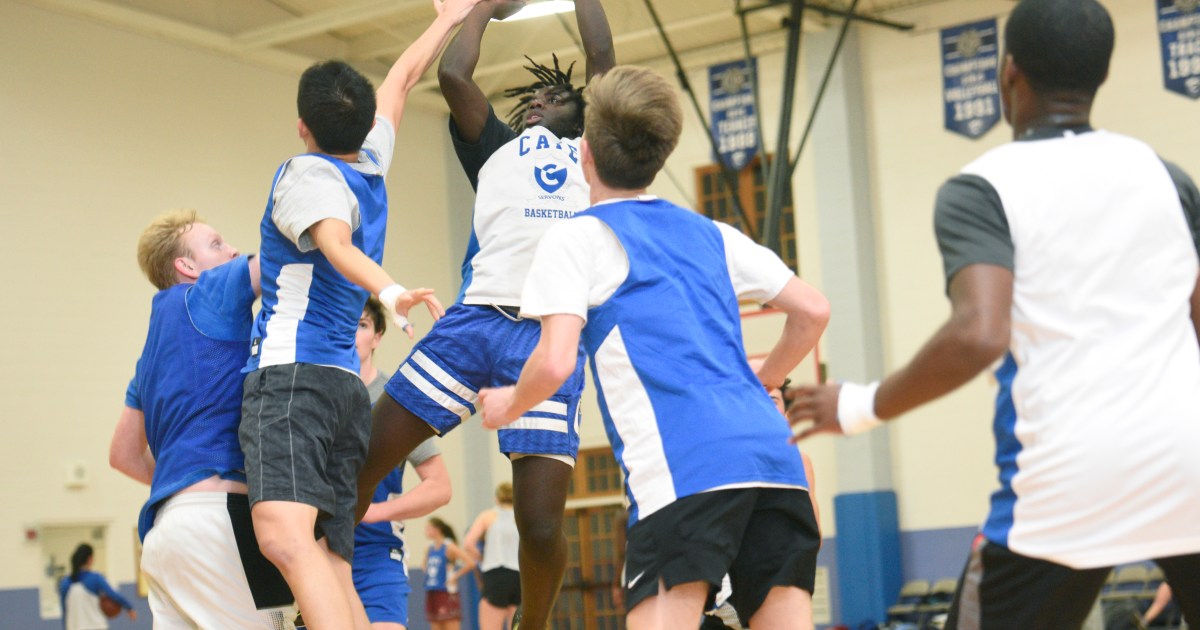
(381,579)
(480,346)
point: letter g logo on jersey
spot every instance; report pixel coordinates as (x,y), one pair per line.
(550,177)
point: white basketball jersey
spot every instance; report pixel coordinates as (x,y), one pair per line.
(525,187)
(1102,385)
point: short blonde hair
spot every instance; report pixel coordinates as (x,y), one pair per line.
(161,243)
(632,123)
(504,493)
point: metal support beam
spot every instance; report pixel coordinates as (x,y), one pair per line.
(727,176)
(812,114)
(780,183)
(829,11)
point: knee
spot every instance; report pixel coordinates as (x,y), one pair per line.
(541,534)
(280,547)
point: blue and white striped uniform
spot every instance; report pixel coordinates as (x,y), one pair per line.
(310,311)
(525,183)
(665,344)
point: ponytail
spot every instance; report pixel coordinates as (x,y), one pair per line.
(82,554)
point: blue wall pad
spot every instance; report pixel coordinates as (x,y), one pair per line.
(868,555)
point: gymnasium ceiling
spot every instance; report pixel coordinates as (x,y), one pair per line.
(290,34)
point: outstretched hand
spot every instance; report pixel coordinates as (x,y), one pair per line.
(456,10)
(493,405)
(409,299)
(815,404)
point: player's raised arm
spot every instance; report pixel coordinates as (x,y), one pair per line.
(468,104)
(416,59)
(596,36)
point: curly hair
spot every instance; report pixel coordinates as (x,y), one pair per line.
(546,77)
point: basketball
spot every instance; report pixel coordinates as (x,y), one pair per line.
(109,607)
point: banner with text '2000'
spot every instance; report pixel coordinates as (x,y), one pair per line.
(970,61)
(734,122)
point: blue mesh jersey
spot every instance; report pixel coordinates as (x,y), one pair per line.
(310,311)
(674,390)
(385,532)
(188,382)
(436,568)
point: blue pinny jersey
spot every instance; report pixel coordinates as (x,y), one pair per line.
(682,409)
(309,309)
(437,567)
(188,383)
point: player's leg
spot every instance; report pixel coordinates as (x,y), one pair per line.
(490,617)
(774,572)
(290,414)
(785,608)
(542,445)
(348,452)
(431,393)
(395,432)
(1001,590)
(681,606)
(1183,576)
(539,496)
(285,535)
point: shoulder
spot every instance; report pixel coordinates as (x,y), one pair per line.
(308,171)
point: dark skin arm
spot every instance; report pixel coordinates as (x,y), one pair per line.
(1196,308)
(468,104)
(596,36)
(975,336)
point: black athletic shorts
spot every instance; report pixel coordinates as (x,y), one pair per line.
(502,587)
(1002,590)
(304,431)
(760,537)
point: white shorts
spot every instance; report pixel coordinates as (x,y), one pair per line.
(191,562)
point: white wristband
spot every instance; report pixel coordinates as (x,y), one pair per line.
(856,408)
(388,297)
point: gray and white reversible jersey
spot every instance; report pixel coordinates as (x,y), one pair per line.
(1098,415)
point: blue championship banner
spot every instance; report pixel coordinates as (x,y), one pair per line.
(970,61)
(1179,32)
(731,102)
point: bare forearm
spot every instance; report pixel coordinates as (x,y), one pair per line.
(137,466)
(540,378)
(807,315)
(357,266)
(417,58)
(951,358)
(462,54)
(128,453)
(420,501)
(800,336)
(596,35)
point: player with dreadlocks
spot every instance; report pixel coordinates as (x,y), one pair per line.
(526,177)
